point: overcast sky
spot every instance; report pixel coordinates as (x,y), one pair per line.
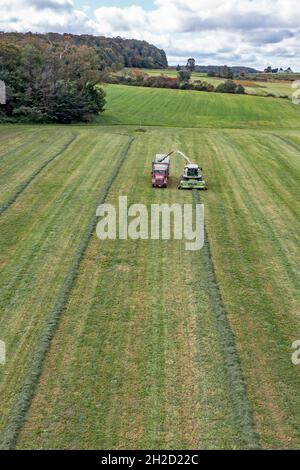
(236,32)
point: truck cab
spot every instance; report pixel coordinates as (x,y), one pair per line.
(159,176)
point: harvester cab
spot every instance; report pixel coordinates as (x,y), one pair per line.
(192,178)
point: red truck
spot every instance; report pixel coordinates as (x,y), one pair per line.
(160,171)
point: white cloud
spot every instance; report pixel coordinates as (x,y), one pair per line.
(42,16)
(253,32)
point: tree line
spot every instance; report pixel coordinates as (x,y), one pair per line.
(112,53)
(55,78)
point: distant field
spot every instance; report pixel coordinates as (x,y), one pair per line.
(181,108)
(276,87)
(155,347)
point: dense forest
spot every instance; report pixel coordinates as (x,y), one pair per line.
(55,78)
(114,53)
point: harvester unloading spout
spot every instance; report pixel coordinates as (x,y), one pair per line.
(184,156)
(180,153)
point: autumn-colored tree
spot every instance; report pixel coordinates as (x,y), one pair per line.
(56,82)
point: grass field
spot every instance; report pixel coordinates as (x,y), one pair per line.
(153,346)
(180,108)
(257,87)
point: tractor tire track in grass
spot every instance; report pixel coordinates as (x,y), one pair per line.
(287,142)
(22,404)
(27,182)
(236,384)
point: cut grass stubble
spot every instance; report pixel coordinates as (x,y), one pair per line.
(22,404)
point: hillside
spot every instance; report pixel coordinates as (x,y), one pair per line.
(181,108)
(216,69)
(112,52)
